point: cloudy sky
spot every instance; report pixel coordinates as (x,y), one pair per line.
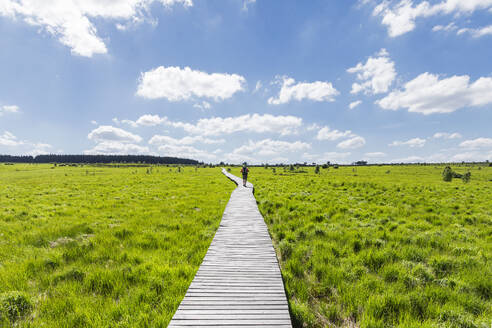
(248,80)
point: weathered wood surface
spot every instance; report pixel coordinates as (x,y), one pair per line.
(239,282)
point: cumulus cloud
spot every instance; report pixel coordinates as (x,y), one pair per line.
(477,32)
(401,18)
(375,76)
(326,133)
(8,139)
(188,140)
(72,21)
(445,135)
(39,149)
(9,109)
(426,94)
(355,104)
(315,91)
(177,84)
(352,143)
(108,133)
(144,120)
(256,123)
(477,143)
(414,143)
(269,147)
(118,148)
(23,147)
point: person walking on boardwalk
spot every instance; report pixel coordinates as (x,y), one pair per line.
(244,172)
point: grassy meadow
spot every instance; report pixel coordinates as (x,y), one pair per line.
(92,246)
(388,246)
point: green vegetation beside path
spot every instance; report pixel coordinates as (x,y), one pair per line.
(93,246)
(389,246)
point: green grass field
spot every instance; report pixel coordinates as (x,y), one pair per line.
(102,247)
(382,246)
(358,247)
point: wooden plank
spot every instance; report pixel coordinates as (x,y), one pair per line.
(239,283)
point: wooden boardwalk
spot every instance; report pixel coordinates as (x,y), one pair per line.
(239,282)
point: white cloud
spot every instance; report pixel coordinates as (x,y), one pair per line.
(355,104)
(188,140)
(256,123)
(185,152)
(352,143)
(118,148)
(477,32)
(177,84)
(313,127)
(151,120)
(477,143)
(144,120)
(473,156)
(258,86)
(9,109)
(108,133)
(326,133)
(72,21)
(375,76)
(268,147)
(203,105)
(375,155)
(316,91)
(8,139)
(413,143)
(23,147)
(401,18)
(93,122)
(39,149)
(446,28)
(445,135)
(426,94)
(247,3)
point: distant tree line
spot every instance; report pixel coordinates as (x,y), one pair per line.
(93,159)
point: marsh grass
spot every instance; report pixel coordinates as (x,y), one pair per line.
(388,247)
(103,246)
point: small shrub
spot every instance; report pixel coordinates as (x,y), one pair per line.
(14,305)
(447,174)
(316,170)
(466,177)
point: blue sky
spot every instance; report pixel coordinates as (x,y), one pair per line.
(244,80)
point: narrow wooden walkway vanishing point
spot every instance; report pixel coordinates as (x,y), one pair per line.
(239,282)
